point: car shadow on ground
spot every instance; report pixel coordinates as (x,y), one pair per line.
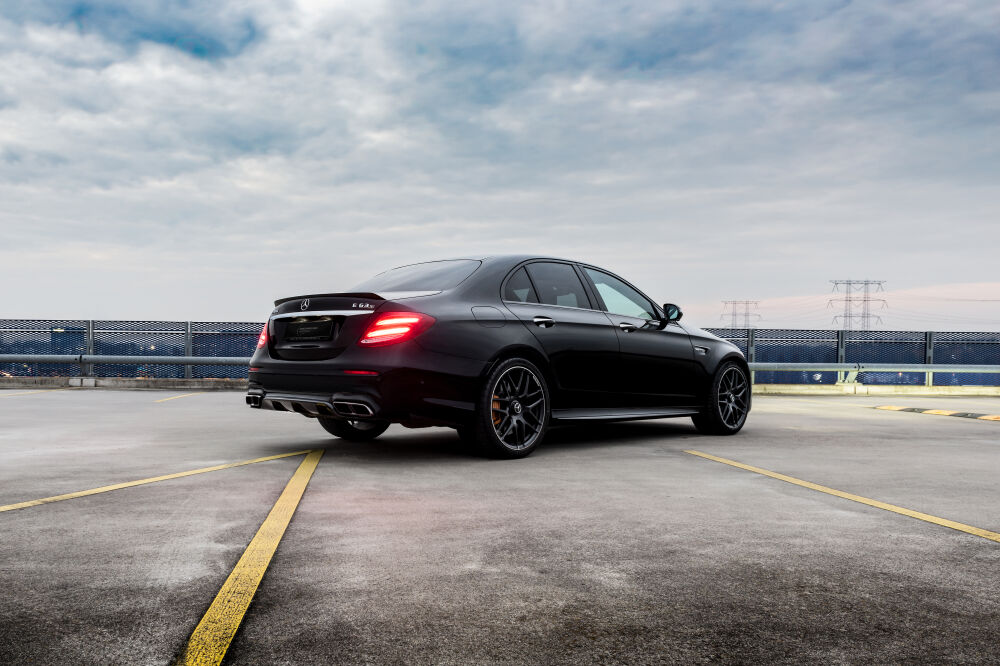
(434,445)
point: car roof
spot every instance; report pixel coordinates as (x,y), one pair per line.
(517,258)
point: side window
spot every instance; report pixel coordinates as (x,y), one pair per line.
(519,289)
(558,284)
(619,297)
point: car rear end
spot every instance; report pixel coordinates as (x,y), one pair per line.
(358,356)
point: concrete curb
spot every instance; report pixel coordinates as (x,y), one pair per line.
(871,389)
(123,383)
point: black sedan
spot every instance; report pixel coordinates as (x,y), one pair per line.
(499,348)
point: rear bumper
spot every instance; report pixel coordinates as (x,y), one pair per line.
(336,406)
(411,386)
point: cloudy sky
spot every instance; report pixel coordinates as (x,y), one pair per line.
(195,160)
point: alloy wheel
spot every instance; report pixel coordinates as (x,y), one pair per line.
(518,408)
(733,396)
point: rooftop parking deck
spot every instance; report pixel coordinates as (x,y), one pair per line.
(616,543)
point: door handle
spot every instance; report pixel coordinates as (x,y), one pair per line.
(544,322)
(627,327)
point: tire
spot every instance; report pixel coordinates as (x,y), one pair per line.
(512,412)
(353,431)
(728,403)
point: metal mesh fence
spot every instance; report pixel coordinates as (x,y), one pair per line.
(886,347)
(139,338)
(965,348)
(223,339)
(42,336)
(238,339)
(790,346)
(127,338)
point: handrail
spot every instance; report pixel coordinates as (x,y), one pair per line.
(81,359)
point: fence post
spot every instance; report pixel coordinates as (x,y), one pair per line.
(87,369)
(751,351)
(929,356)
(841,354)
(188,348)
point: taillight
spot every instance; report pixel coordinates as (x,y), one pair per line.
(262,338)
(392,327)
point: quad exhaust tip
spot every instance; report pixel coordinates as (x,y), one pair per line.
(350,409)
(354,409)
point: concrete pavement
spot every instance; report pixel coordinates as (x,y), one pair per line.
(610,544)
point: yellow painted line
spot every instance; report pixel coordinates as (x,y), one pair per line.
(184,395)
(944,522)
(129,484)
(211,638)
(945,412)
(10,395)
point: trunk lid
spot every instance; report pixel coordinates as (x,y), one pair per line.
(319,326)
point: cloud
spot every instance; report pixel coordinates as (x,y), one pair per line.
(706,150)
(203,30)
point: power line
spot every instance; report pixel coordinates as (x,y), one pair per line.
(737,309)
(857,302)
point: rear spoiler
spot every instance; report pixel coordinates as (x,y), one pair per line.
(350,294)
(386,296)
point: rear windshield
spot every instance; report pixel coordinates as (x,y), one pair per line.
(431,276)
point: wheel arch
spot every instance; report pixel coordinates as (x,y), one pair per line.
(738,358)
(521,351)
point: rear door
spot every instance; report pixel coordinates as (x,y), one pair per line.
(657,365)
(549,297)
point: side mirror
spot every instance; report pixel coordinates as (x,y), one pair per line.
(673,312)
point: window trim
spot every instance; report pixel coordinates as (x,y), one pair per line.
(604,308)
(531,283)
(583,283)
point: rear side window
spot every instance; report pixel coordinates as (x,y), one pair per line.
(519,289)
(558,284)
(429,276)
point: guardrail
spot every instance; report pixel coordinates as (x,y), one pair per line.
(194,348)
(850,370)
(93,359)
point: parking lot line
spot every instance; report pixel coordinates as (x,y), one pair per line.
(211,638)
(942,412)
(129,484)
(11,395)
(944,522)
(184,395)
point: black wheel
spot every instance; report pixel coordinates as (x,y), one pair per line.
(512,413)
(353,431)
(728,403)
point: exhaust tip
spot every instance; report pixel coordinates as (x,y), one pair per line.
(353,409)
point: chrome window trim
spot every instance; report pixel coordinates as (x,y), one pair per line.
(546,305)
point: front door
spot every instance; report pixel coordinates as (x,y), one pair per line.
(657,363)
